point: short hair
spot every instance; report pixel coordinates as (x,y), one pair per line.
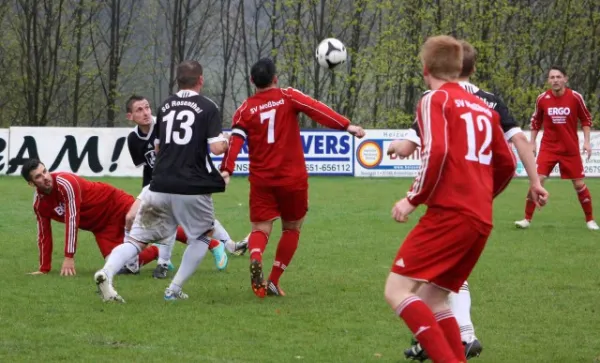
(469,59)
(442,56)
(561,69)
(28,166)
(188,73)
(131,100)
(263,73)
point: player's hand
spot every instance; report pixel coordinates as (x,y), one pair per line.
(356,131)
(226,136)
(401,210)
(587,149)
(68,267)
(37,273)
(539,195)
(391,151)
(226,176)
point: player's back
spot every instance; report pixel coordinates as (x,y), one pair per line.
(273,136)
(186,122)
(459,136)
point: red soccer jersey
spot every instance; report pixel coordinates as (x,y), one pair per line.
(558,116)
(269,122)
(465,160)
(78,203)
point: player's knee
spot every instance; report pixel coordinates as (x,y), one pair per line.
(264,227)
(292,225)
(578,184)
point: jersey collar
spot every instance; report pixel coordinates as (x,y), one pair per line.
(468,86)
(136,129)
(184,93)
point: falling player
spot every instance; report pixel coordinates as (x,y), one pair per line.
(79,204)
(457,184)
(268,120)
(141,146)
(461,302)
(557,111)
(183,181)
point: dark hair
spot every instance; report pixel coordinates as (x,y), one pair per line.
(558,68)
(263,73)
(469,58)
(28,166)
(187,73)
(131,100)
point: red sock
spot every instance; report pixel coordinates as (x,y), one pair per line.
(420,320)
(148,255)
(449,326)
(181,237)
(529,208)
(585,198)
(213,243)
(257,244)
(288,243)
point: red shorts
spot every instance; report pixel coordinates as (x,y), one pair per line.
(442,249)
(571,166)
(289,202)
(113,233)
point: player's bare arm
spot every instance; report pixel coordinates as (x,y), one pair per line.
(587,147)
(401,148)
(526,153)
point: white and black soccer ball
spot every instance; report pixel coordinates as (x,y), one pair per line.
(331,53)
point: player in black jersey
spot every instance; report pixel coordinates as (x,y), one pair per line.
(141,144)
(461,302)
(184,178)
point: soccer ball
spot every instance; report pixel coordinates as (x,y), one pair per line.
(331,53)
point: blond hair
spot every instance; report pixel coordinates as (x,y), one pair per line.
(442,56)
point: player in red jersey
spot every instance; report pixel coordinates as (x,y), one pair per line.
(466,162)
(79,204)
(557,111)
(268,120)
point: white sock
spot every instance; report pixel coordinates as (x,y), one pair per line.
(220,234)
(193,255)
(165,249)
(230,246)
(461,308)
(119,256)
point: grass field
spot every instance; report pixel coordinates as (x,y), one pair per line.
(536,293)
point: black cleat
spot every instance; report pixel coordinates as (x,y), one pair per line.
(416,352)
(240,248)
(161,271)
(274,290)
(473,349)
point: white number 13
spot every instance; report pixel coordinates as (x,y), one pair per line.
(269,115)
(484,156)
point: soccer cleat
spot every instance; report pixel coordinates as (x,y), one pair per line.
(523,224)
(592,226)
(171,295)
(416,352)
(161,271)
(472,349)
(241,247)
(220,256)
(171,266)
(274,290)
(105,288)
(257,279)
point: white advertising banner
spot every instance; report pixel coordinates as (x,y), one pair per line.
(4,139)
(371,159)
(86,151)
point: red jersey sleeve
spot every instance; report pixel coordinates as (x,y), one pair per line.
(316,110)
(432,117)
(44,237)
(538,114)
(503,159)
(70,193)
(585,117)
(236,141)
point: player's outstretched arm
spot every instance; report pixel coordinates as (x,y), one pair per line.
(316,110)
(527,156)
(70,193)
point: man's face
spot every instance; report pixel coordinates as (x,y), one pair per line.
(41,178)
(141,113)
(557,80)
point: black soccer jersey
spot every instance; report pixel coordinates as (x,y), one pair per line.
(141,149)
(509,126)
(186,123)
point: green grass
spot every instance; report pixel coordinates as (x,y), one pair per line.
(535,293)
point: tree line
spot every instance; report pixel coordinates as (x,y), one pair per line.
(74,63)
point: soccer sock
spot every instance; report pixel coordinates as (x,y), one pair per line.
(119,257)
(257,244)
(449,326)
(461,308)
(585,198)
(148,255)
(180,236)
(230,246)
(529,208)
(219,232)
(421,321)
(192,256)
(165,250)
(288,243)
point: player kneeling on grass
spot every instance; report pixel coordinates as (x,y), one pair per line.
(184,179)
(269,122)
(457,182)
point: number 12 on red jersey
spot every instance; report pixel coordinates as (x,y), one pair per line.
(484,156)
